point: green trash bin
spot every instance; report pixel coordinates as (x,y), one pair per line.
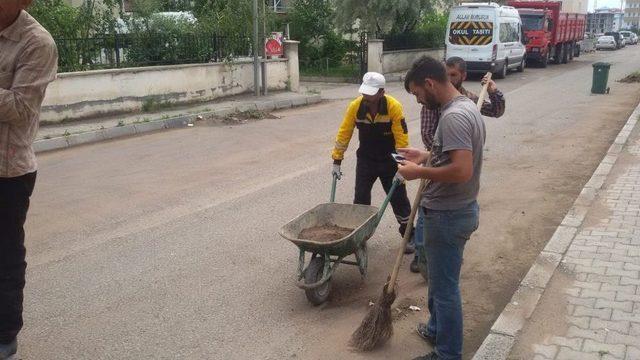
(600,78)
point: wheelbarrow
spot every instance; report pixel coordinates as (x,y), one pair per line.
(315,278)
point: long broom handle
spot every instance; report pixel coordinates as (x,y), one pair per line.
(414,208)
(483,93)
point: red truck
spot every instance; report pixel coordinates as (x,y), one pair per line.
(552,36)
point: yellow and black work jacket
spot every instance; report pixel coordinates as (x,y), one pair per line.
(379,137)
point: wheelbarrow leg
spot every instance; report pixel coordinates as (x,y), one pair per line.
(362,259)
(301,265)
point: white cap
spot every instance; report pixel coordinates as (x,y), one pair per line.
(371,83)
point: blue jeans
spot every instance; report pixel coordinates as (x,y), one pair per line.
(418,237)
(418,240)
(445,235)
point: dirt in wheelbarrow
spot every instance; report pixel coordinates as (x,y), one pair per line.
(324,233)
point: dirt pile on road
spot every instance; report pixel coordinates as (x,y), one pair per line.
(631,78)
(324,233)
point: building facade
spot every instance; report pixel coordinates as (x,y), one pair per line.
(576,6)
(632,14)
(603,20)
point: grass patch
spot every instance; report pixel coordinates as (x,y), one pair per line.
(342,71)
(152,104)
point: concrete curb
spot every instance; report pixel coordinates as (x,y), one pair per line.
(89,137)
(506,329)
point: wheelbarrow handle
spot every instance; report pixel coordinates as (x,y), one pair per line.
(397,181)
(332,199)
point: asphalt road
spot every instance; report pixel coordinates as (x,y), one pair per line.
(165,246)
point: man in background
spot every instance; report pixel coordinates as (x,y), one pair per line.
(28,63)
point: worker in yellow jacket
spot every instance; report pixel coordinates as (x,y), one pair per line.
(381,130)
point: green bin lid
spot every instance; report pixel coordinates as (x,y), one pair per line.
(602,64)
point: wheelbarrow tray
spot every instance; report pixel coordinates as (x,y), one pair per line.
(361,218)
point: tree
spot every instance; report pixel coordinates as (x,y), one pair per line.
(226,17)
(312,23)
(65,21)
(385,16)
(57,17)
(310,20)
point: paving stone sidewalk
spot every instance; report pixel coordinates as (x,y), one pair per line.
(590,309)
(581,297)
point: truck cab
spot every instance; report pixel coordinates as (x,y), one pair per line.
(537,26)
(552,33)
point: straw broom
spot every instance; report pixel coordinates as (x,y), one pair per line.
(377,326)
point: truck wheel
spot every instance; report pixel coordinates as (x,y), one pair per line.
(521,67)
(577,50)
(503,71)
(571,50)
(565,56)
(557,54)
(546,59)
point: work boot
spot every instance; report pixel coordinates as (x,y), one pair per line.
(6,350)
(414,267)
(410,248)
(430,356)
(424,334)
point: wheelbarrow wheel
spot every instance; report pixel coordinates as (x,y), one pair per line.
(313,274)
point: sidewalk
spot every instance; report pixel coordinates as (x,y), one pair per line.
(67,134)
(581,299)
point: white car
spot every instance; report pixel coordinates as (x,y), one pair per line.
(606,42)
(631,38)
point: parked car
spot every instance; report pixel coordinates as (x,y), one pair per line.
(606,42)
(631,38)
(619,39)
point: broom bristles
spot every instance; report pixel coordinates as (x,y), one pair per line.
(377,327)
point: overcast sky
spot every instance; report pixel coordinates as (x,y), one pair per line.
(602,3)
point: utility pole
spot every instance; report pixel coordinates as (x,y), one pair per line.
(256,47)
(264,49)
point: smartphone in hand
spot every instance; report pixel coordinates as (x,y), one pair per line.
(397,157)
